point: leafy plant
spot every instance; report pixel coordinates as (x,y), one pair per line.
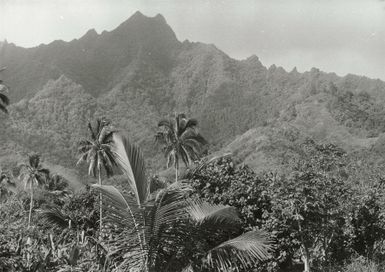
(96,151)
(180,141)
(156,228)
(33,174)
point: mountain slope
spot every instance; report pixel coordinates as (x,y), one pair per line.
(139,73)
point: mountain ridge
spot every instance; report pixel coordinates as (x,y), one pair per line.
(140,72)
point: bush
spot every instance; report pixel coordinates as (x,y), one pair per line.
(361,264)
(314,210)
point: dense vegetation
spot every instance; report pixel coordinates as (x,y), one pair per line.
(303,188)
(146,229)
(317,216)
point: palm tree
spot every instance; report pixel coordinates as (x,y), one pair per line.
(33,174)
(180,140)
(4,100)
(96,151)
(156,227)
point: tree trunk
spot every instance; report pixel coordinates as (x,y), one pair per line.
(176,174)
(30,205)
(101,207)
(306,259)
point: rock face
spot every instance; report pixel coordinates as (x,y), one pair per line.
(140,72)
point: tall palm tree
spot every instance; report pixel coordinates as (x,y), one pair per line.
(155,227)
(96,151)
(180,140)
(33,174)
(4,100)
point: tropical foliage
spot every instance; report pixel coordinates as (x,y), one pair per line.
(156,226)
(320,215)
(317,215)
(323,207)
(33,174)
(96,151)
(180,140)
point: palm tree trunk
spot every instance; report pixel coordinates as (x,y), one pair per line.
(306,259)
(30,205)
(101,206)
(176,174)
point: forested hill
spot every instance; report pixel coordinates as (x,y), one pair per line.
(139,72)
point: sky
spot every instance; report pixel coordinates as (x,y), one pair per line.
(341,36)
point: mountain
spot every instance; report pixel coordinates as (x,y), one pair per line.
(139,73)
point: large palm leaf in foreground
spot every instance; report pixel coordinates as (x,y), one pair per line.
(96,151)
(33,174)
(155,228)
(180,141)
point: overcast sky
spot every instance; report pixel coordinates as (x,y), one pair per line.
(342,36)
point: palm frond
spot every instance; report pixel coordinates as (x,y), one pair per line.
(123,212)
(108,162)
(193,136)
(203,212)
(241,252)
(53,216)
(171,206)
(130,159)
(168,124)
(40,179)
(44,171)
(92,132)
(120,209)
(106,136)
(34,160)
(186,155)
(82,158)
(191,123)
(3,108)
(4,99)
(167,223)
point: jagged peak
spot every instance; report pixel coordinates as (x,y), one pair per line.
(294,71)
(140,17)
(90,34)
(254,60)
(138,14)
(141,24)
(273,69)
(160,18)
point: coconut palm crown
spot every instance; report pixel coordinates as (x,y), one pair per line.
(180,141)
(96,151)
(33,174)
